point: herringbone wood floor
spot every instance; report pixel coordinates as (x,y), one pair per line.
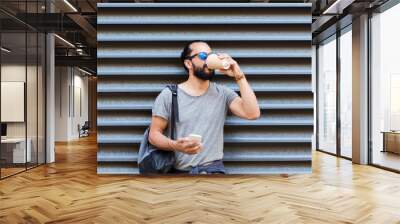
(70,191)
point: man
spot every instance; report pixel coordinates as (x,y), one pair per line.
(203,107)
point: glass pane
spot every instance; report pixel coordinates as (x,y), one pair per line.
(385,86)
(327,96)
(31,101)
(41,98)
(13,89)
(346,94)
(23,87)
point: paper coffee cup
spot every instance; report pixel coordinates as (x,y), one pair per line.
(214,62)
(195,137)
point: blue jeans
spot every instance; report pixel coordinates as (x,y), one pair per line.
(212,167)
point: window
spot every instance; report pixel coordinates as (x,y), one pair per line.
(385,89)
(327,95)
(346,92)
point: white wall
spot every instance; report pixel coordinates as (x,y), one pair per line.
(14,73)
(79,115)
(33,126)
(314,88)
(70,83)
(62,81)
(13,101)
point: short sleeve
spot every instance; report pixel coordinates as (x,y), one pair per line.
(230,95)
(162,104)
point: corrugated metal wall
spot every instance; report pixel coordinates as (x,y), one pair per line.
(138,54)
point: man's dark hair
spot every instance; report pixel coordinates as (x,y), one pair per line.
(187,51)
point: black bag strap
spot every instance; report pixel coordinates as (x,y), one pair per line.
(174,109)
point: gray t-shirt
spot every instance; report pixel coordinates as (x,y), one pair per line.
(204,115)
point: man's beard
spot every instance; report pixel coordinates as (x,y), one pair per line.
(202,74)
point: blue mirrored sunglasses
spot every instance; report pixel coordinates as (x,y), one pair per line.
(202,55)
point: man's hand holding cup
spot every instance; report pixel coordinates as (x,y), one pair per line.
(188,145)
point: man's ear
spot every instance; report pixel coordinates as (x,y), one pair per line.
(188,64)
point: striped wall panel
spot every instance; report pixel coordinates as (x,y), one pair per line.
(138,54)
